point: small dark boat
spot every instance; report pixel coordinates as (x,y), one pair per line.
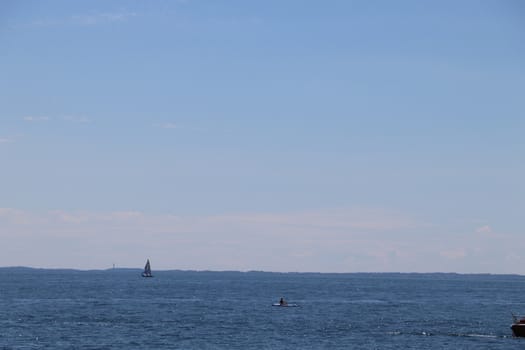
(518,327)
(284,303)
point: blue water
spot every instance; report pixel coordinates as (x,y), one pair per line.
(117,309)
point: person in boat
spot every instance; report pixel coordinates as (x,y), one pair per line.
(282,302)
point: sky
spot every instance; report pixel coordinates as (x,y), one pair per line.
(319,136)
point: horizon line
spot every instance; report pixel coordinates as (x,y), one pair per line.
(258,271)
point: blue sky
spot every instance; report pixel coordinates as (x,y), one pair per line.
(274,135)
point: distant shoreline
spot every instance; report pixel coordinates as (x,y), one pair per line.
(133,269)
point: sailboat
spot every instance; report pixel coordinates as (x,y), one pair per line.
(147,270)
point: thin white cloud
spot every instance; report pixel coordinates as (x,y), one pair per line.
(68,118)
(168,125)
(35,119)
(4,139)
(335,219)
(86,216)
(9,138)
(16,217)
(488,232)
(242,241)
(484,229)
(454,254)
(109,17)
(80,20)
(338,240)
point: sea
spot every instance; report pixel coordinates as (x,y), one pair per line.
(119,309)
